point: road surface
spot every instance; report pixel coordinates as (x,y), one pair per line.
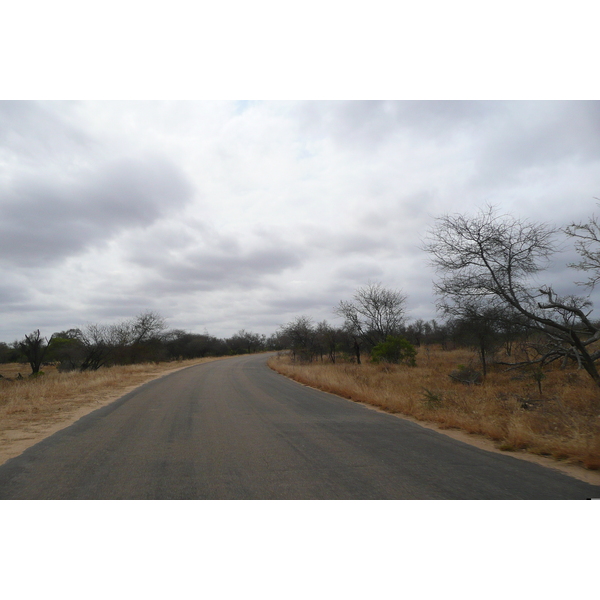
(234,429)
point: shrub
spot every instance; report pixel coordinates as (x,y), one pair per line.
(432,400)
(394,350)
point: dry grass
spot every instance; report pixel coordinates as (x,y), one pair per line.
(563,422)
(30,405)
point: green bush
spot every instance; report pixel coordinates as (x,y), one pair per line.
(394,350)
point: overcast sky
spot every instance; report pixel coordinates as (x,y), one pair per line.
(229,215)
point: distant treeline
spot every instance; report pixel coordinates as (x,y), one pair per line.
(144,338)
(309,341)
(374,324)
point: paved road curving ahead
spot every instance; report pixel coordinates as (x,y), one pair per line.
(234,429)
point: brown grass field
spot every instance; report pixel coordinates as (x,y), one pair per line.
(33,408)
(562,422)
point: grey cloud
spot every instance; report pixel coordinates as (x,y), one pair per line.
(359,272)
(29,303)
(348,242)
(352,243)
(109,301)
(34,131)
(531,135)
(177,257)
(305,303)
(205,270)
(367,124)
(46,220)
(11,295)
(502,139)
(354,123)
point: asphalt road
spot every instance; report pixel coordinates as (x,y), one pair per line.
(234,429)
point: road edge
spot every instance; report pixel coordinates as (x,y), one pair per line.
(37,432)
(473,439)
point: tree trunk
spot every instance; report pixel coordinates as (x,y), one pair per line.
(483,358)
(357,351)
(588,364)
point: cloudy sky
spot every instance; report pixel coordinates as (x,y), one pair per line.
(228,215)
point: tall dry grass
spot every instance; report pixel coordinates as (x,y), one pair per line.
(563,421)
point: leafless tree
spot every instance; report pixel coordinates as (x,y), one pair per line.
(35,347)
(485,326)
(494,258)
(587,244)
(140,337)
(374,313)
(301,334)
(145,326)
(328,339)
(99,343)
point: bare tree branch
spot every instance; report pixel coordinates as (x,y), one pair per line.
(491,258)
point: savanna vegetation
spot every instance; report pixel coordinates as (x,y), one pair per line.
(143,339)
(511,359)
